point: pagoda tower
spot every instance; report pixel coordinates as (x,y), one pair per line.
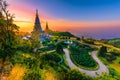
(37,30)
(37,25)
(47,30)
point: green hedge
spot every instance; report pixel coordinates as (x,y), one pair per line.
(82,58)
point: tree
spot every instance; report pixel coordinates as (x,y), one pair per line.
(103,51)
(8,29)
(59,48)
(33,75)
(82,38)
(74,74)
(105,76)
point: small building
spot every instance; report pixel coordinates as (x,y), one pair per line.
(73,38)
(26,37)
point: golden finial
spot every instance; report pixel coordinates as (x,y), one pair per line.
(36,12)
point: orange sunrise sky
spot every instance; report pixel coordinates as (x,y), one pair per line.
(65,16)
(24,18)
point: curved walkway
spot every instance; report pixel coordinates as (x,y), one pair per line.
(102,68)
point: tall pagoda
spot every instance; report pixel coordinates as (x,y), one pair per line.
(37,33)
(37,25)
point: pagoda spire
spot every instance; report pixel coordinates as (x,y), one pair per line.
(37,22)
(37,12)
(47,28)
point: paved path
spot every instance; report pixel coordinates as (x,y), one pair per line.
(48,52)
(102,68)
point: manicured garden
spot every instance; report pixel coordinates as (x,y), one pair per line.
(54,59)
(81,57)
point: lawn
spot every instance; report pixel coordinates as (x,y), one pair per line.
(107,45)
(116,67)
(116,64)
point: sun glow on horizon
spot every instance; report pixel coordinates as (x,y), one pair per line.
(27,25)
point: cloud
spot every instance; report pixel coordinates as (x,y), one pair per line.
(23,21)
